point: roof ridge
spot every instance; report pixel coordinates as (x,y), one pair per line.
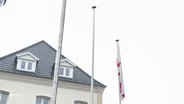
(42,41)
(24,49)
(53,48)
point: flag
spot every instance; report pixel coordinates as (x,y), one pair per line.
(120,74)
(2,2)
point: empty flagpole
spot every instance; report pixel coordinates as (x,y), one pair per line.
(58,55)
(93,50)
(2,2)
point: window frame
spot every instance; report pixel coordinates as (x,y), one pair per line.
(81,101)
(65,68)
(43,98)
(26,66)
(4,93)
(30,62)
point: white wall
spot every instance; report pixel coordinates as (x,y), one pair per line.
(24,89)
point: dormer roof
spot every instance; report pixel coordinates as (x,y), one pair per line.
(67,62)
(28,56)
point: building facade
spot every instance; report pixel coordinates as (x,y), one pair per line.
(26,78)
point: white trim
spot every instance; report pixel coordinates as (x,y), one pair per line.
(64,72)
(27,53)
(28,58)
(67,60)
(66,64)
(19,62)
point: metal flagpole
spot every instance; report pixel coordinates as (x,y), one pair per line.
(93,49)
(2,2)
(58,55)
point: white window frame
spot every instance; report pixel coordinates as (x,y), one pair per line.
(19,63)
(66,64)
(42,99)
(64,72)
(27,57)
(4,93)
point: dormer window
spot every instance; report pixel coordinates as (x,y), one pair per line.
(26,62)
(66,68)
(26,65)
(66,72)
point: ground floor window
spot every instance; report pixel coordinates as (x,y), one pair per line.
(3,97)
(80,102)
(42,100)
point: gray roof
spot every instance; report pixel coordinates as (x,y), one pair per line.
(45,65)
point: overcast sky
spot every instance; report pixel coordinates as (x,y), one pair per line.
(150,33)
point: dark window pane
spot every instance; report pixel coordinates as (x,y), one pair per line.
(3,98)
(46,101)
(67,72)
(61,71)
(29,67)
(23,64)
(38,100)
(42,100)
(80,102)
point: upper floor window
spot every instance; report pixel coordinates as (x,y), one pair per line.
(42,100)
(80,102)
(3,97)
(66,68)
(25,65)
(66,71)
(26,62)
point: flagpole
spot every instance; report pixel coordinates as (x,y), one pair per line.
(58,55)
(118,76)
(93,49)
(2,2)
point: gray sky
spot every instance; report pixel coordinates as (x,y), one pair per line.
(150,33)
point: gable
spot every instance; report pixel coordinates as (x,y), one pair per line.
(27,56)
(67,63)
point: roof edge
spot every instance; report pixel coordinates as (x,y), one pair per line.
(22,49)
(102,85)
(42,41)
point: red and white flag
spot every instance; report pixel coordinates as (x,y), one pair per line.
(120,74)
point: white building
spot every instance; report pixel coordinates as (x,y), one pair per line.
(26,78)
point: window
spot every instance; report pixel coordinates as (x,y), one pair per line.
(61,71)
(3,97)
(66,68)
(26,62)
(29,66)
(66,72)
(25,65)
(42,100)
(80,102)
